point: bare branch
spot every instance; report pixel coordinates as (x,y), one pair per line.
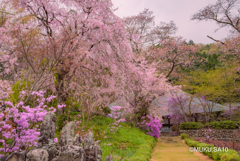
(215,40)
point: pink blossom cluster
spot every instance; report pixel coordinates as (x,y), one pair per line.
(107,144)
(227,112)
(176,118)
(114,127)
(154,126)
(207,133)
(117,112)
(5,90)
(121,120)
(61,106)
(49,99)
(19,126)
(77,123)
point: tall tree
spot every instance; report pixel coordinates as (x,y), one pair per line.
(142,31)
(226,14)
(83,37)
(77,49)
(139,28)
(171,54)
(223,12)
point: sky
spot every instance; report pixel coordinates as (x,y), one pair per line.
(180,12)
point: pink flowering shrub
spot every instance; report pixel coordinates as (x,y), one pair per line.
(153,124)
(22,127)
(234,113)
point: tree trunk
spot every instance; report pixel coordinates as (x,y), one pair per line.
(61,96)
(185,118)
(230,107)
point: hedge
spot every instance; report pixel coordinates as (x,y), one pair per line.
(224,125)
(191,142)
(190,125)
(184,135)
(215,125)
(230,155)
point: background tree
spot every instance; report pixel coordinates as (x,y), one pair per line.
(163,31)
(226,14)
(172,54)
(148,85)
(139,28)
(142,31)
(230,86)
(181,105)
(190,42)
(223,12)
(216,86)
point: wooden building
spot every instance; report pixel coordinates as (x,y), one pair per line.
(196,110)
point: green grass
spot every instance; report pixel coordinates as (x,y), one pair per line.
(125,142)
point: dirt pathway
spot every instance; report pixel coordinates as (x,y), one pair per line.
(174,149)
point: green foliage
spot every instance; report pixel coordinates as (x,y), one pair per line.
(190,42)
(184,136)
(217,85)
(207,59)
(61,121)
(210,61)
(8,141)
(224,125)
(17,88)
(73,113)
(208,146)
(230,155)
(106,110)
(191,142)
(216,125)
(175,128)
(71,105)
(190,125)
(131,124)
(76,107)
(101,111)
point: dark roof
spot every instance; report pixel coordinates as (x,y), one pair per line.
(163,101)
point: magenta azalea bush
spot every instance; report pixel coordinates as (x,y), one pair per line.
(22,128)
(153,124)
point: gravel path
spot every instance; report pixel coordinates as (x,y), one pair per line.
(175,149)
